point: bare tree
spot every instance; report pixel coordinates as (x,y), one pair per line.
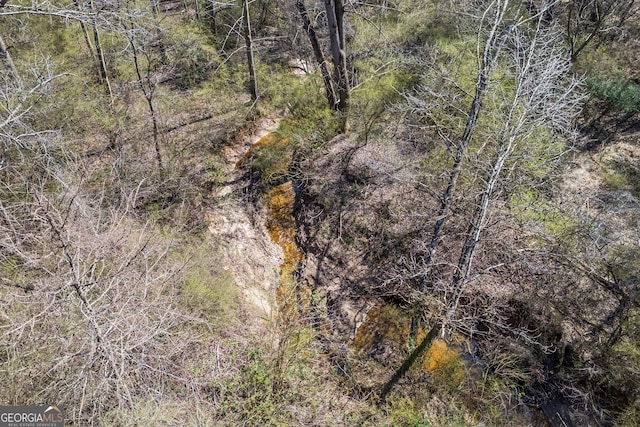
(540,95)
(145,67)
(108,18)
(19,98)
(88,316)
(85,34)
(545,97)
(487,57)
(587,20)
(97,315)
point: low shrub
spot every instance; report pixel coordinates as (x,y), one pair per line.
(621,96)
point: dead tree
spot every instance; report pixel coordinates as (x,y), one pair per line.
(144,65)
(486,63)
(545,97)
(541,95)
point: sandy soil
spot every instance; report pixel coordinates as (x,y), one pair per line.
(250,256)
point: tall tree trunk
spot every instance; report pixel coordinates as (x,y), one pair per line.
(536,97)
(147,87)
(253,86)
(339,8)
(102,64)
(344,89)
(463,269)
(486,62)
(335,20)
(317,51)
(87,39)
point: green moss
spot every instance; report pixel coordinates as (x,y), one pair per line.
(601,62)
(629,418)
(614,179)
(207,289)
(209,294)
(608,80)
(420,23)
(269,159)
(621,176)
(623,373)
(539,155)
(382,83)
(304,98)
(529,206)
(402,412)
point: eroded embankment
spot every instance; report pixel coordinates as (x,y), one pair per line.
(385,327)
(247,252)
(291,295)
(261,251)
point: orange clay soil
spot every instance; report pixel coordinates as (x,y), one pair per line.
(270,140)
(389,324)
(384,323)
(281,226)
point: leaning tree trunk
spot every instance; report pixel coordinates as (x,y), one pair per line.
(486,64)
(87,39)
(542,94)
(463,269)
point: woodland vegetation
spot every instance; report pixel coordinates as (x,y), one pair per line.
(441,227)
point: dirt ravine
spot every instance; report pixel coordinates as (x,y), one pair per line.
(249,254)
